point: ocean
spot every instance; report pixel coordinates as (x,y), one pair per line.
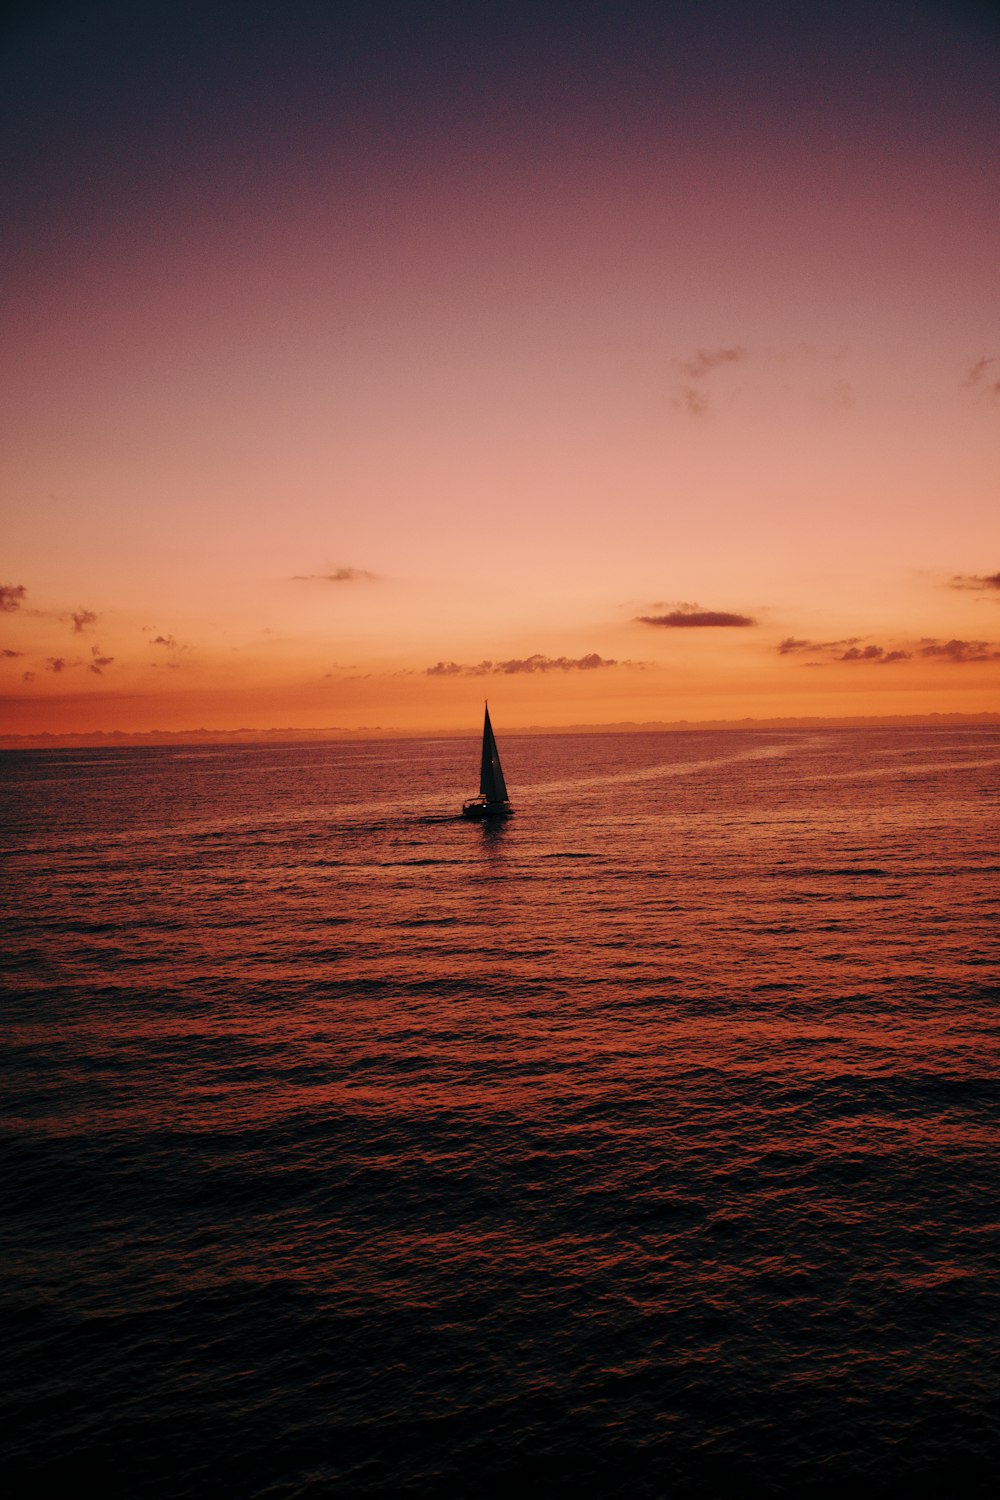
(645,1144)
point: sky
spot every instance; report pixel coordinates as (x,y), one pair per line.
(617,362)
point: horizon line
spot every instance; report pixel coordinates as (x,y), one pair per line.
(69,739)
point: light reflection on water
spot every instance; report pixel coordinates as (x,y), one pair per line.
(646,1138)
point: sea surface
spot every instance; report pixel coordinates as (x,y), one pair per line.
(645,1144)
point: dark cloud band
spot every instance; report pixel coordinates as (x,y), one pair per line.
(526,664)
(959,651)
(682,619)
(956,652)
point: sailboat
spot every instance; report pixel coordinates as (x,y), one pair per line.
(492,801)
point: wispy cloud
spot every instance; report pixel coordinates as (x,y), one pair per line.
(177,653)
(979,583)
(959,652)
(81,619)
(984,375)
(99,662)
(339,575)
(691,395)
(873,655)
(688,398)
(526,664)
(8,655)
(793,646)
(849,648)
(856,651)
(703,375)
(707,360)
(12,596)
(687,616)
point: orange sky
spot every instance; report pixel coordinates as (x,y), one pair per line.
(497,356)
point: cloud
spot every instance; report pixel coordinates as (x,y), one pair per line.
(707,360)
(587,663)
(691,400)
(981,377)
(876,654)
(698,375)
(8,655)
(959,652)
(28,676)
(178,653)
(456,669)
(11,597)
(99,662)
(81,619)
(527,664)
(981,583)
(792,645)
(691,397)
(850,649)
(853,651)
(339,575)
(688,615)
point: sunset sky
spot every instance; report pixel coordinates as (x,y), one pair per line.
(615,362)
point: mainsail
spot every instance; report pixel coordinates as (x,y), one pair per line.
(491,783)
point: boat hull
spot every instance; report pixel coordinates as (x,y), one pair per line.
(487,810)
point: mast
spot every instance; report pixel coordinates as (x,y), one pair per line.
(491,783)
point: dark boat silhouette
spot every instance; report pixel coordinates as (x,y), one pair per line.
(492,801)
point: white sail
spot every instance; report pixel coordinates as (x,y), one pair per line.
(491,783)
